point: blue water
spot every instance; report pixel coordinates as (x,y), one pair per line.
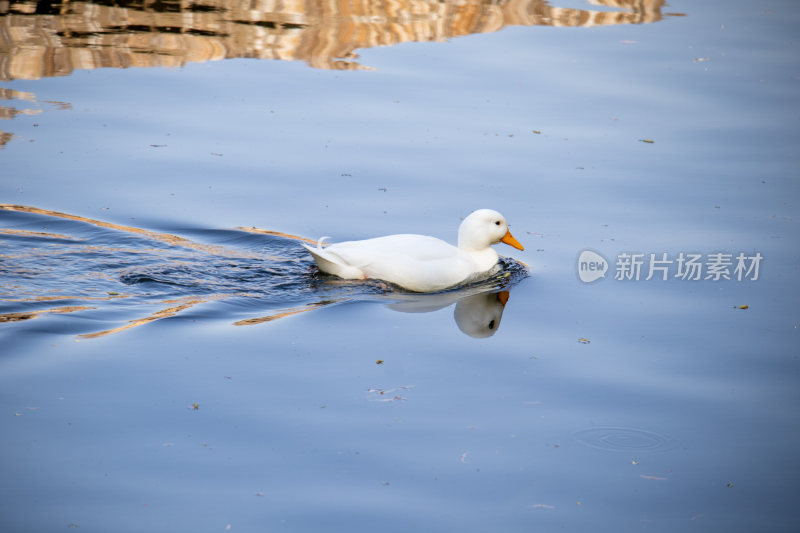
(166,365)
(105,273)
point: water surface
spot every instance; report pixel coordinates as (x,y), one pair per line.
(172,361)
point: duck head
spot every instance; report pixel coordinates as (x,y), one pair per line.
(483,228)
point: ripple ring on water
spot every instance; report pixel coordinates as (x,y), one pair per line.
(621,439)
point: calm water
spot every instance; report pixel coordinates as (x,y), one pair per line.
(171,360)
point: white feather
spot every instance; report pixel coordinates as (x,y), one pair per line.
(419,262)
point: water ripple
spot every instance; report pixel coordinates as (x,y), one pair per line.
(622,439)
(56,262)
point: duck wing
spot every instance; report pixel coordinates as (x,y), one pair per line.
(415,262)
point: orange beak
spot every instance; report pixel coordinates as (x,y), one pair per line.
(511,241)
(502,297)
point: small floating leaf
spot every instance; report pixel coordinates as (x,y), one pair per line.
(741,306)
(379,362)
(537,132)
(195,407)
(584,341)
(648,141)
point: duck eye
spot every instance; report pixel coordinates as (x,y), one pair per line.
(497,223)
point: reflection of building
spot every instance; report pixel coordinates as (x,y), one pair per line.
(39,39)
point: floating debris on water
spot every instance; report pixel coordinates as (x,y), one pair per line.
(385,395)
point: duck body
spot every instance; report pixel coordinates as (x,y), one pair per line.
(418,262)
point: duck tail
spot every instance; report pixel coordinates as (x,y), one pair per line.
(331,263)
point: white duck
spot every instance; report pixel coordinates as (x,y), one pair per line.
(418,262)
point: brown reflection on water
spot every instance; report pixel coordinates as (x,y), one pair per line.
(172,310)
(276,234)
(9,112)
(172,240)
(281,313)
(27,233)
(40,258)
(41,39)
(28,315)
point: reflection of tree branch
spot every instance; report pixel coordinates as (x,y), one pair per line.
(281,313)
(44,256)
(276,234)
(191,302)
(323,34)
(163,313)
(28,315)
(172,240)
(53,298)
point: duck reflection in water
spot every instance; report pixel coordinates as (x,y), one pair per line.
(477,314)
